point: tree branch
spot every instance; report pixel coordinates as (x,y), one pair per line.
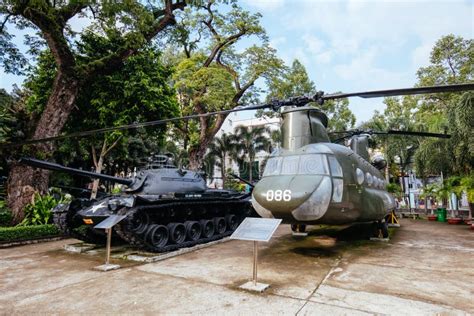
(71,9)
(229,40)
(115,60)
(4,22)
(113,145)
(94,156)
(229,69)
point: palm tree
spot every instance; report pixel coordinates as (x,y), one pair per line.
(249,141)
(222,148)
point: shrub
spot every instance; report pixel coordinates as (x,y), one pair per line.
(18,233)
(5,215)
(39,212)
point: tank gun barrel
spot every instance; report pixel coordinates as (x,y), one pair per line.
(57,167)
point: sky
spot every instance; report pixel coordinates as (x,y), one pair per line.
(354,45)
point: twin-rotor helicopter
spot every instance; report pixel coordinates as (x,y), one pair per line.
(308,180)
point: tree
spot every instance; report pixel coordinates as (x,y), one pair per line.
(452,61)
(221,149)
(249,141)
(217,77)
(138,92)
(294,81)
(133,23)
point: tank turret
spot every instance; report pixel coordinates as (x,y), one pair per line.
(160,179)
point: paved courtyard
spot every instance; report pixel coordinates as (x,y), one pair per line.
(426,268)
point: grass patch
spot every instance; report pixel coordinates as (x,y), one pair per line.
(19,233)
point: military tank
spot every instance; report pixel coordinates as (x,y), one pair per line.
(166,208)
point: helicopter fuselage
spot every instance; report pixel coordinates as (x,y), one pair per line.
(321,183)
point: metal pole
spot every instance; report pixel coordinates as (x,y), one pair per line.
(255,257)
(109,238)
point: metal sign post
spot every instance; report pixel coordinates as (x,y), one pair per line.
(107,224)
(255,260)
(256,229)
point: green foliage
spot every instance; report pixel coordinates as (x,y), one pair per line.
(138,91)
(221,149)
(6,116)
(467,185)
(394,188)
(231,183)
(452,62)
(39,212)
(18,233)
(294,81)
(5,214)
(249,141)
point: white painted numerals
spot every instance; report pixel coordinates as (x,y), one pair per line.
(278,195)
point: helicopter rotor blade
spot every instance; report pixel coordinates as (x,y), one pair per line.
(404,91)
(422,134)
(133,126)
(275,105)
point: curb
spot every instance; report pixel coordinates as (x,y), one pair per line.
(9,244)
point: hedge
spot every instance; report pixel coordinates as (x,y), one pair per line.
(18,233)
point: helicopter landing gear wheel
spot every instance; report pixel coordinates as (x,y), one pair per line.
(232,222)
(193,230)
(177,232)
(139,223)
(207,228)
(384,229)
(157,235)
(220,225)
(299,230)
(380,229)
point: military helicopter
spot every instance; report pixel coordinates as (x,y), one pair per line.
(309,180)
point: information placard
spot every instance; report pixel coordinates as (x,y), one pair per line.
(256,229)
(110,221)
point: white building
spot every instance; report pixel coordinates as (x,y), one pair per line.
(231,122)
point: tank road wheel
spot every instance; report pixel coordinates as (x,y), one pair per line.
(139,223)
(193,230)
(220,225)
(232,222)
(207,228)
(157,235)
(177,232)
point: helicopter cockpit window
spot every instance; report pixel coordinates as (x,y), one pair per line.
(304,164)
(313,164)
(273,166)
(290,165)
(336,169)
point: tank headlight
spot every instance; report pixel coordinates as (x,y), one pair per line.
(359,176)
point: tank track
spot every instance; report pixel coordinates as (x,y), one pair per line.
(139,239)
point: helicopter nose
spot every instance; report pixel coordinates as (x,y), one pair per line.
(305,197)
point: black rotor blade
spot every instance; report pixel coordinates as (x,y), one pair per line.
(132,126)
(423,134)
(404,91)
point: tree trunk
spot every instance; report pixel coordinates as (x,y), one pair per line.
(250,170)
(24,181)
(223,170)
(196,156)
(95,184)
